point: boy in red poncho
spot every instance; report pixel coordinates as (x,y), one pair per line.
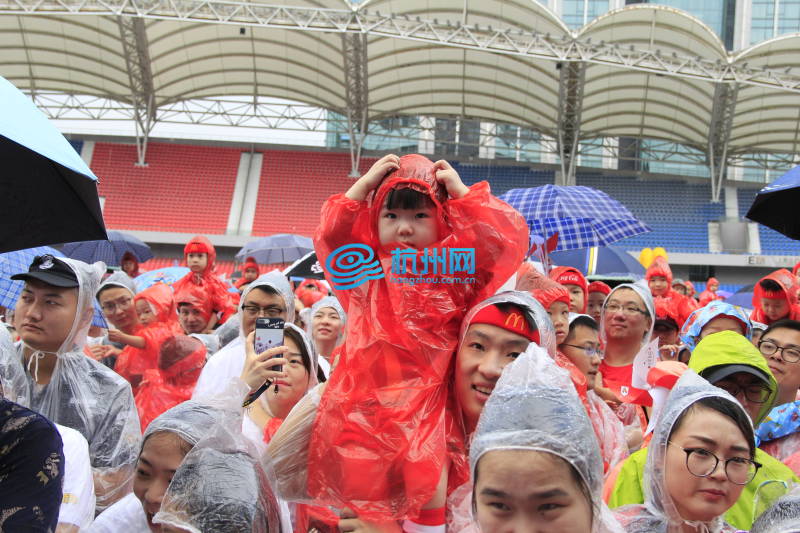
(200,257)
(710,294)
(659,279)
(135,359)
(775,297)
(250,272)
(180,362)
(577,287)
(379,444)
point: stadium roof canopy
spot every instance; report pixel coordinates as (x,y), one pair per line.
(643,71)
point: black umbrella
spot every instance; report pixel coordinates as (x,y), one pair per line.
(776,204)
(306,267)
(48,194)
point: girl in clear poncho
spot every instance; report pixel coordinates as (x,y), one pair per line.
(534,458)
(699,459)
(326,327)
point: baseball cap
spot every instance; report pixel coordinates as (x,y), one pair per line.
(51,270)
(720,372)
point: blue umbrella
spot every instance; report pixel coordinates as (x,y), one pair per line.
(743,297)
(109,251)
(48,194)
(582,216)
(774,205)
(18,261)
(601,262)
(279,248)
(168,275)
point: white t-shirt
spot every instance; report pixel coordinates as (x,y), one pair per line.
(218,371)
(126,515)
(77,505)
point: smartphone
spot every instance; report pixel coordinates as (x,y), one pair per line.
(269,334)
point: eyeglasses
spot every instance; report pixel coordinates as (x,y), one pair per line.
(627,310)
(255,310)
(590,351)
(122,304)
(702,463)
(754,393)
(790,354)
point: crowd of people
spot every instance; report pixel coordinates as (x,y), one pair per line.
(523,399)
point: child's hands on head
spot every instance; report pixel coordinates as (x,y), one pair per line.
(373,177)
(447,176)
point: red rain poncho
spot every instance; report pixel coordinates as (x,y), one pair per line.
(310,296)
(205,285)
(599,286)
(128,256)
(132,362)
(707,295)
(180,361)
(680,304)
(789,286)
(188,295)
(566,275)
(249,264)
(379,441)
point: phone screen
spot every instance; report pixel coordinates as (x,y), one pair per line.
(269,334)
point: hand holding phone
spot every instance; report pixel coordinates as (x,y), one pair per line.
(268,334)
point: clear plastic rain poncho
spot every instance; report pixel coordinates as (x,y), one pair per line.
(782,517)
(229,361)
(690,331)
(89,397)
(13,382)
(534,407)
(659,514)
(118,279)
(333,303)
(220,486)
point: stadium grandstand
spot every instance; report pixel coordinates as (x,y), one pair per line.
(237,119)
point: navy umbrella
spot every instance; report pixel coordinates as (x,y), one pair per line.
(743,297)
(775,205)
(47,193)
(279,248)
(109,251)
(601,262)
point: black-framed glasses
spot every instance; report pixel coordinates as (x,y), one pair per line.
(269,311)
(590,351)
(702,463)
(627,310)
(790,354)
(122,303)
(754,393)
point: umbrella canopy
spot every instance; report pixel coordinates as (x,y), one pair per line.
(601,262)
(775,204)
(109,251)
(743,297)
(47,193)
(167,275)
(307,267)
(279,248)
(582,216)
(18,261)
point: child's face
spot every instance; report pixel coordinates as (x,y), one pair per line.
(559,316)
(145,313)
(197,262)
(414,227)
(658,285)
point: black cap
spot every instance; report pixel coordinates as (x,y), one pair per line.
(720,372)
(667,322)
(50,270)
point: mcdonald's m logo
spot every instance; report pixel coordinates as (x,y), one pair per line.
(517,321)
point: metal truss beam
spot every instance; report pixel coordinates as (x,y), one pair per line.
(137,59)
(509,40)
(719,133)
(570,103)
(354,51)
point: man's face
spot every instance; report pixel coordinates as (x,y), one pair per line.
(666,334)
(787,374)
(483,354)
(269,305)
(45,314)
(117,306)
(658,285)
(775,308)
(575,298)
(629,320)
(191,319)
(746,388)
(197,262)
